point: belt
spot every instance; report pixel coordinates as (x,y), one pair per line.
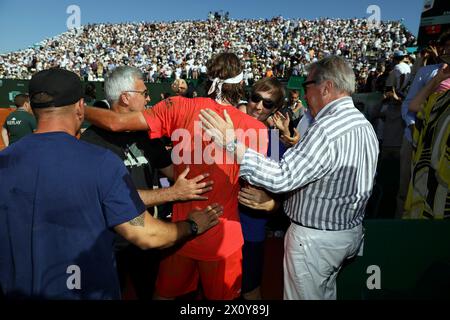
(302,225)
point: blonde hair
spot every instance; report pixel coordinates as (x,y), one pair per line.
(176,86)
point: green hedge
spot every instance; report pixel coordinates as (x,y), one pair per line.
(413,257)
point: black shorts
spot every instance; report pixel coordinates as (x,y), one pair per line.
(252,265)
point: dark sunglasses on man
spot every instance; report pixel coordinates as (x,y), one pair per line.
(267,103)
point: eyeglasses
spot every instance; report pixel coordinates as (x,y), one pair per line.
(143,92)
(267,103)
(305,84)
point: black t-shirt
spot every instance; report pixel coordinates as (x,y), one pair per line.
(140,155)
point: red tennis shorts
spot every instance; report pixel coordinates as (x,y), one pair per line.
(179,275)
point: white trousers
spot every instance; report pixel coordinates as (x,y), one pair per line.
(313,258)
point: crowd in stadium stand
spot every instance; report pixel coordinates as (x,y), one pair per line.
(405,99)
(277,47)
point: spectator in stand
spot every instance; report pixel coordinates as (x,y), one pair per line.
(428,193)
(263,43)
(90,94)
(294,108)
(423,76)
(179,87)
(401,72)
(266,97)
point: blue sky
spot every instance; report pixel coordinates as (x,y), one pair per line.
(23,23)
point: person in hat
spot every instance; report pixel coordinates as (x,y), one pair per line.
(327,178)
(58,212)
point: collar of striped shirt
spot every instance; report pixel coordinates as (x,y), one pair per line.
(331,105)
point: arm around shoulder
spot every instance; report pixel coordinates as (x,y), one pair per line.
(114,121)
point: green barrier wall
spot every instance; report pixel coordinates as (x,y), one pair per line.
(408,259)
(10,88)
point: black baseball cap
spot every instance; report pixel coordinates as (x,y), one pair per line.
(59,86)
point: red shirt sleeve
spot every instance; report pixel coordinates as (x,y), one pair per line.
(162,117)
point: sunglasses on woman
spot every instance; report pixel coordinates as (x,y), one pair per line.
(267,103)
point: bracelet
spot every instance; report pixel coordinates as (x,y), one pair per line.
(231,146)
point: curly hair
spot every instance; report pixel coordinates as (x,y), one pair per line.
(224,66)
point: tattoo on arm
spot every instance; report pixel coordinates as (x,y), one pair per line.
(138,221)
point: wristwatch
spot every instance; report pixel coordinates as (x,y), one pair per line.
(231,146)
(193,226)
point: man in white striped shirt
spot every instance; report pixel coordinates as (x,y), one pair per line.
(327,177)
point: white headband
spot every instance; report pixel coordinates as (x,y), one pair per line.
(217,85)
